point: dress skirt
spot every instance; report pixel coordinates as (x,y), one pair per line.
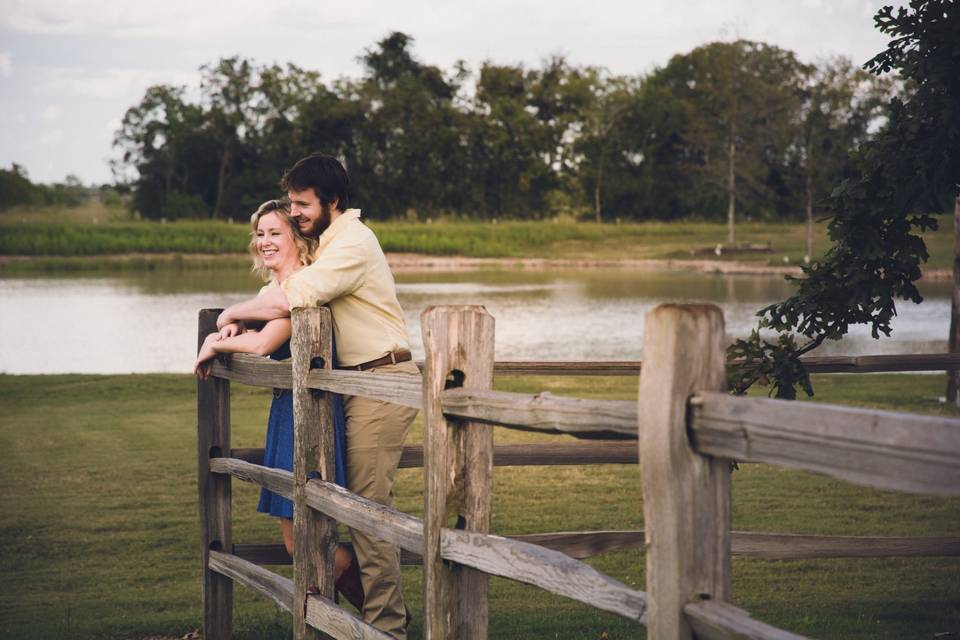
(278,452)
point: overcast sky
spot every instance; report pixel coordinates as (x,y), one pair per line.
(69,69)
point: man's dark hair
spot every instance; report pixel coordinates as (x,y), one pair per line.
(322,173)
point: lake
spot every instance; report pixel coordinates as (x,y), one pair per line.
(146,322)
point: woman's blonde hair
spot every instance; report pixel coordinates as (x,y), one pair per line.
(305,246)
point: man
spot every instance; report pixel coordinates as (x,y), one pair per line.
(351,274)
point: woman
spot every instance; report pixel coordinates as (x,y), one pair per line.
(279,250)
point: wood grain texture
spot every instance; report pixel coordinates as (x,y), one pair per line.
(314,533)
(882,449)
(542,412)
(276,587)
(276,480)
(262,372)
(722,621)
(327,616)
(254,371)
(814,364)
(686,496)
(766,546)
(883,363)
(321,614)
(542,453)
(791,546)
(213,439)
(458,467)
(550,570)
(398,388)
(513,455)
(386,523)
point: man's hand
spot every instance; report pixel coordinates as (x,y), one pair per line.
(224,320)
(269,305)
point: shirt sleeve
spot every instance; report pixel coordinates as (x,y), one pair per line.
(338,271)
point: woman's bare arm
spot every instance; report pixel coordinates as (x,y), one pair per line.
(263,342)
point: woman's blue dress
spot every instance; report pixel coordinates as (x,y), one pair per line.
(278,453)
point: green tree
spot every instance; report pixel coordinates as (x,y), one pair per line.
(909,168)
(743,96)
(167,154)
(601,139)
(840,103)
(16,188)
(405,144)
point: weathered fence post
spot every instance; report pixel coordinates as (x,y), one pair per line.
(458,467)
(314,534)
(213,441)
(686,496)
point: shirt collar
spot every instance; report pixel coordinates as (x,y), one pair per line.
(336,227)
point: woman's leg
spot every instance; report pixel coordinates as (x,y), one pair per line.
(346,571)
(286,530)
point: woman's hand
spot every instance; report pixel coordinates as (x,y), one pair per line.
(204,363)
(230,330)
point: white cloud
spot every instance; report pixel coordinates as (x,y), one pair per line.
(112,125)
(172,18)
(6,64)
(50,137)
(112,84)
(51,113)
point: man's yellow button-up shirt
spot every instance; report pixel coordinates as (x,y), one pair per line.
(350,273)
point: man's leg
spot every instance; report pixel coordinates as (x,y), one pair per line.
(375,434)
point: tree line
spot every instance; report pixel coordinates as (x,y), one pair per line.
(17,190)
(726,130)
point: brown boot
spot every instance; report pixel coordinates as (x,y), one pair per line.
(350,586)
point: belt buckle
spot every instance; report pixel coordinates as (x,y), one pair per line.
(393,357)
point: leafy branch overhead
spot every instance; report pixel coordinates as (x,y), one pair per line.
(912,166)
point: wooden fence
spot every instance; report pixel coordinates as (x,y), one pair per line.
(683,428)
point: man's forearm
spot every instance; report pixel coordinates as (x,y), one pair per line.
(270,305)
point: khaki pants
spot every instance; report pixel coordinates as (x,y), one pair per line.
(375,434)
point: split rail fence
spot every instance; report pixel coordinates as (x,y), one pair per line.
(683,428)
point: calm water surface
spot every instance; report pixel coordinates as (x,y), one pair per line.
(147,322)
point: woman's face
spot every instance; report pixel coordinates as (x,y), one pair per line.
(275,242)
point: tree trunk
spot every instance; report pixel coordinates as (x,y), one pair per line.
(596,194)
(731,190)
(808,192)
(953,377)
(222,179)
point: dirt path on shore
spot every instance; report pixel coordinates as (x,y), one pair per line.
(409,262)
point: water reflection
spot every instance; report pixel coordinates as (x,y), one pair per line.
(146,321)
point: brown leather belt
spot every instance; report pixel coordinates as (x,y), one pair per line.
(393,357)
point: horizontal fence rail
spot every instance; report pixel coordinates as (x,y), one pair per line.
(263,372)
(398,388)
(543,412)
(814,364)
(712,620)
(321,613)
(765,546)
(881,449)
(513,455)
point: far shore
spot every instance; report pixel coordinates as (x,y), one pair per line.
(411,262)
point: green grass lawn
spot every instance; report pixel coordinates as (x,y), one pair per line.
(69,238)
(100,536)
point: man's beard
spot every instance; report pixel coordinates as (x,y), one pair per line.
(322,222)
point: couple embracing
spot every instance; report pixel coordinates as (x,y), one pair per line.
(316,251)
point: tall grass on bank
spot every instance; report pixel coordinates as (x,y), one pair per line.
(99,532)
(43,235)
